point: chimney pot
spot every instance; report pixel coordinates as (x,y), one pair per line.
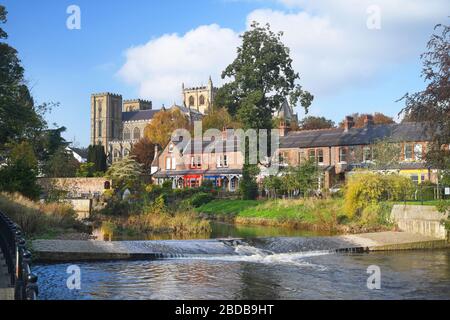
(349,123)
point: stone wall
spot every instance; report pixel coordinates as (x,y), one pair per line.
(424,220)
(76,187)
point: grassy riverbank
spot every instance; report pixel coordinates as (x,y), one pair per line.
(40,220)
(313,214)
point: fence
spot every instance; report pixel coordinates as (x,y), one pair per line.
(18,260)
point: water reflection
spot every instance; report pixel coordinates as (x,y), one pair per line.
(219,230)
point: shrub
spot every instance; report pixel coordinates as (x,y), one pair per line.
(364,189)
(200,199)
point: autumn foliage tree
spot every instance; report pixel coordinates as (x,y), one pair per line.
(378,118)
(163,124)
(144,153)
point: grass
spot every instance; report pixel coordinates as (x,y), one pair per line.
(315,214)
(39,220)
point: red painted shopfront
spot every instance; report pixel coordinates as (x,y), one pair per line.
(192,181)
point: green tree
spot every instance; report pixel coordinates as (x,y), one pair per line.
(432,105)
(263,77)
(125,174)
(86,170)
(19,117)
(97,156)
(61,164)
(315,123)
(19,174)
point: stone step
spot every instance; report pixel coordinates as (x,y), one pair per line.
(6,294)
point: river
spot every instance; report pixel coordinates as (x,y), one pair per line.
(262,269)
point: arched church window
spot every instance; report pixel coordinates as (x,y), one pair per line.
(202,100)
(126,134)
(191,101)
(136,134)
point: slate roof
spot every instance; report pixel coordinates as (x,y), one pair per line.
(193,148)
(405,132)
(140,115)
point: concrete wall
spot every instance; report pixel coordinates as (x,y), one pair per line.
(74,186)
(83,207)
(424,220)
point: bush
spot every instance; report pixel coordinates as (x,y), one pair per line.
(365,189)
(200,199)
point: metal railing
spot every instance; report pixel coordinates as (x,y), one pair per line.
(18,260)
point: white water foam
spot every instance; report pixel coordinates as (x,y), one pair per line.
(245,253)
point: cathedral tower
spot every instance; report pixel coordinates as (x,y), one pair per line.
(199,98)
(106,118)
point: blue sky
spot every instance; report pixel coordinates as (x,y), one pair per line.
(147,48)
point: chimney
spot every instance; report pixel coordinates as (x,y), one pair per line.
(283,129)
(368,120)
(349,123)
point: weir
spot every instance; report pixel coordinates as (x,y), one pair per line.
(66,251)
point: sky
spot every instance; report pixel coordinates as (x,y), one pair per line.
(352,55)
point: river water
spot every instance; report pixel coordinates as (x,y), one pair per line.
(272,267)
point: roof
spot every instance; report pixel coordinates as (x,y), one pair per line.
(404,132)
(140,115)
(216,172)
(191,147)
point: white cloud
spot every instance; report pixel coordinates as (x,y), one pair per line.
(330,44)
(160,66)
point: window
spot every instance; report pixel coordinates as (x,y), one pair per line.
(408,152)
(174,164)
(171,148)
(136,134)
(418,152)
(320,156)
(415,179)
(168,164)
(222,161)
(126,134)
(202,100)
(367,154)
(196,162)
(99,102)
(312,155)
(126,152)
(342,155)
(191,101)
(100,129)
(282,158)
(301,156)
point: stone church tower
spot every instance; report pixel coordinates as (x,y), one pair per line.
(199,98)
(106,118)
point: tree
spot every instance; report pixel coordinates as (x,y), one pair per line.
(262,78)
(61,164)
(86,170)
(386,154)
(125,173)
(19,174)
(225,99)
(378,118)
(315,123)
(97,156)
(144,153)
(163,124)
(219,118)
(432,105)
(19,117)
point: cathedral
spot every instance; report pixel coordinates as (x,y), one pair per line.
(117,124)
